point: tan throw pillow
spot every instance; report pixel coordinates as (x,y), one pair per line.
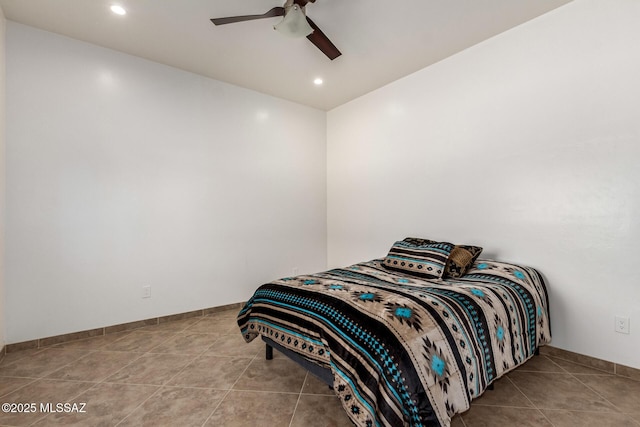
(460,260)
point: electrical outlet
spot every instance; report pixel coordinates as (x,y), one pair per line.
(295,271)
(622,325)
(146,291)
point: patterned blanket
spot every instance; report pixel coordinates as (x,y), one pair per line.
(406,351)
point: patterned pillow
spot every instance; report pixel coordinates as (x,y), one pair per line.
(460,260)
(418,241)
(424,260)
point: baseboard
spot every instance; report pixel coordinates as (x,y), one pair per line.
(58,339)
(591,362)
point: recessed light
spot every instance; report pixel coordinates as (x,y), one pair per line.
(317,81)
(118,10)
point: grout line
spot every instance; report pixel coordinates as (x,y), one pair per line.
(229,390)
(597,393)
(576,377)
(295,408)
(24,385)
(139,384)
(70,399)
(601,372)
(161,386)
(104,380)
(529,400)
(35,351)
(195,357)
(44,375)
(601,396)
(584,365)
(563,370)
(142,403)
(506,406)
(254,391)
(20,376)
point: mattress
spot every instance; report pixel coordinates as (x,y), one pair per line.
(405,351)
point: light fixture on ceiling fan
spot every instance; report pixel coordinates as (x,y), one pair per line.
(294,24)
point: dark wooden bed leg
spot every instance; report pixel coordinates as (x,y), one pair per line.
(269,352)
(537,352)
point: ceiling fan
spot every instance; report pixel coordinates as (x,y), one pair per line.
(295,23)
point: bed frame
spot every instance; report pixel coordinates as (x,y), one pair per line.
(323,374)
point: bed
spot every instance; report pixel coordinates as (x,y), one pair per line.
(399,345)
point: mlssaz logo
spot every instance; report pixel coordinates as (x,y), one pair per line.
(63,407)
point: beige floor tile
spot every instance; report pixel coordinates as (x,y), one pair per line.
(10,358)
(505,393)
(313,385)
(251,408)
(187,343)
(94,343)
(579,358)
(226,314)
(41,391)
(10,384)
(540,364)
(624,393)
(211,372)
(320,411)
(95,366)
(626,371)
(574,368)
(154,369)
(635,415)
(227,318)
(499,416)
(41,363)
(138,341)
(106,405)
(173,405)
(173,326)
(457,421)
(272,375)
(235,345)
(558,391)
(588,419)
(214,325)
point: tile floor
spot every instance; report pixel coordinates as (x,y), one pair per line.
(200,372)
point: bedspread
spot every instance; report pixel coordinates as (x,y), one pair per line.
(406,351)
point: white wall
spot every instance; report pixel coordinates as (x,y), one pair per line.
(527,144)
(122,173)
(2,174)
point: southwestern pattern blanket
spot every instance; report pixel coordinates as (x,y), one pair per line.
(406,351)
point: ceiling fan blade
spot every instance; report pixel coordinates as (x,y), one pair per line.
(276,11)
(322,42)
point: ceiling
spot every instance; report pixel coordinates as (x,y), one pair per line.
(380,41)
